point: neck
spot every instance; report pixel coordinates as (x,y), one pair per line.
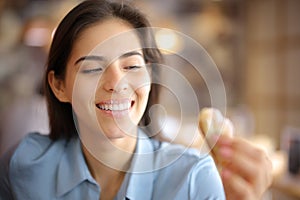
(108,160)
(109,179)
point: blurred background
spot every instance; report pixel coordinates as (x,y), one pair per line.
(254,43)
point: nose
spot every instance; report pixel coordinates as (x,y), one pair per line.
(114,80)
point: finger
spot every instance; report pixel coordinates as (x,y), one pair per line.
(242,166)
(241,145)
(258,156)
(219,142)
(215,142)
(236,187)
(252,164)
(249,149)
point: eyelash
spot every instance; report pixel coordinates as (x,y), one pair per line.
(132,67)
(87,71)
(95,70)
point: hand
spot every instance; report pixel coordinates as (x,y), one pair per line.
(244,168)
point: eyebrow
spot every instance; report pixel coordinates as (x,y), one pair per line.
(131,53)
(101,58)
(92,57)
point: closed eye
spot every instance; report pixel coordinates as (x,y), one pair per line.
(132,67)
(93,70)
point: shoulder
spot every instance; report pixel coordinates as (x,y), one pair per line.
(167,154)
(193,173)
(27,160)
(36,155)
(36,161)
(176,154)
(35,147)
(186,162)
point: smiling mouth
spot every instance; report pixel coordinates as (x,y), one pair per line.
(115,105)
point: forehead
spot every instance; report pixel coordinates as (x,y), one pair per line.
(109,38)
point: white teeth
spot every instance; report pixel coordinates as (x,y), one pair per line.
(115,106)
(122,106)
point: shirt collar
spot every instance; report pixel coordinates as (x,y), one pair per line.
(72,169)
(141,174)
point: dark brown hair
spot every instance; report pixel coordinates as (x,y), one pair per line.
(84,15)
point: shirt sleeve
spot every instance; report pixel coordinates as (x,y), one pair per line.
(5,187)
(205,182)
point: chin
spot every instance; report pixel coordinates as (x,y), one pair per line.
(114,133)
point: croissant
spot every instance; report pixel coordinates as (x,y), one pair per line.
(212,122)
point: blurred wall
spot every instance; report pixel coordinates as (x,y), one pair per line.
(26,29)
(271,64)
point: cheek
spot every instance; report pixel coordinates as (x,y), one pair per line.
(142,85)
(143,94)
(140,80)
(83,93)
(143,91)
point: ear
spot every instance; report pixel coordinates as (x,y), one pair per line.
(58,87)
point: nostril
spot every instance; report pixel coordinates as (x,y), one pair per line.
(119,88)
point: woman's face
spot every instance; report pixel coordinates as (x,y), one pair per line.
(107,80)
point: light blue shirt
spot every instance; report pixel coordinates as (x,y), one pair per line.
(42,169)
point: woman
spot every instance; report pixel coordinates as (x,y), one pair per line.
(98,86)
